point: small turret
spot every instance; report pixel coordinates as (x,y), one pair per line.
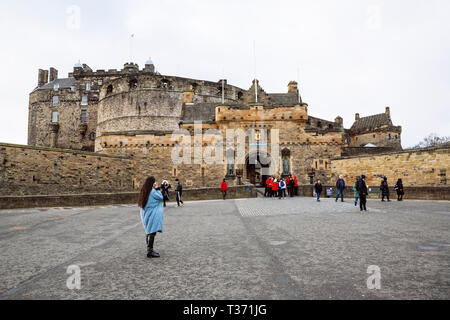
(149,66)
(357,117)
(293,87)
(339,122)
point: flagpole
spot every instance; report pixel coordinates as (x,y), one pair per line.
(131,47)
(298,83)
(256,82)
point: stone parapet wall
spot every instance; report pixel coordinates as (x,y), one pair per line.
(411,193)
(97,199)
(28,170)
(416,167)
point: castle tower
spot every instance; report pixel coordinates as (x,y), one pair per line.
(149,66)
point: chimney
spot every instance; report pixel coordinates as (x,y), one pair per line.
(357,117)
(339,121)
(42,77)
(53,74)
(388,112)
(293,87)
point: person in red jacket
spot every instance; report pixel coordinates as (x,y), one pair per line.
(224,188)
(295,185)
(275,188)
(268,192)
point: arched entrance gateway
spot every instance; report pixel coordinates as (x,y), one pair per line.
(257,168)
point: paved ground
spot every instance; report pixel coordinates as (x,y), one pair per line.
(238,249)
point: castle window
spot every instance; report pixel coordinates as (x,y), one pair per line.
(92,137)
(330,126)
(240,95)
(390,137)
(109,89)
(84,101)
(55,117)
(56,87)
(165,83)
(88,86)
(72,88)
(319,125)
(133,84)
(83,116)
(374,136)
(56,101)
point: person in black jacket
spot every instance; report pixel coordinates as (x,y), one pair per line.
(340,186)
(384,187)
(399,188)
(318,188)
(179,191)
(363,192)
(165,186)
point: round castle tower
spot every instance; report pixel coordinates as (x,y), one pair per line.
(146,102)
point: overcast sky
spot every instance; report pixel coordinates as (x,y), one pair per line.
(352,55)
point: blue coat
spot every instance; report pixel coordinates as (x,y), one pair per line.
(152,216)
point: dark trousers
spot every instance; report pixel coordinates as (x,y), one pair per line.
(382,197)
(399,196)
(362,202)
(267,192)
(224,194)
(282,193)
(340,192)
(179,199)
(291,192)
(274,193)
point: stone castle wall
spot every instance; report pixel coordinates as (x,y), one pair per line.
(422,167)
(43,171)
(387,139)
(69,114)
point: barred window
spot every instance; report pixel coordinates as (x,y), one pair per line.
(55,117)
(56,101)
(83,116)
(84,101)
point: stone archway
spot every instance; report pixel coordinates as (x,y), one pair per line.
(257,168)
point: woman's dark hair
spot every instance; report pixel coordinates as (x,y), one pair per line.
(145,192)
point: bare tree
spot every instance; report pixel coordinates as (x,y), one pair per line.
(432,140)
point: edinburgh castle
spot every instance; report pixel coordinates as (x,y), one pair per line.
(135,111)
(104,131)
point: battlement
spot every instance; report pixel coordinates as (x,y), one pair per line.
(257,112)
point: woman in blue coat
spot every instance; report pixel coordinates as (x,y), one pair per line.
(152,213)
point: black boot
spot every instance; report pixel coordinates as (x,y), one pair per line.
(150,242)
